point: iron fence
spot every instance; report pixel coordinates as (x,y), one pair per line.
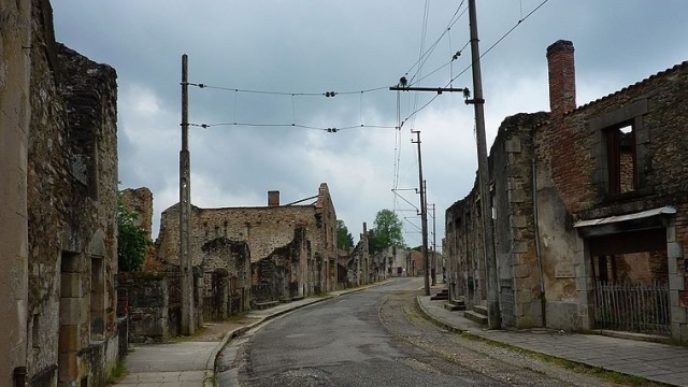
(633,307)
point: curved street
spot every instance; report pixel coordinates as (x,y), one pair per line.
(376,337)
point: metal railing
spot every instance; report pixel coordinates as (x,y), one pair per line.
(633,307)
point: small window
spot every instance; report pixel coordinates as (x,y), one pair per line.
(621,159)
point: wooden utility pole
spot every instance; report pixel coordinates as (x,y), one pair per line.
(185,210)
(493,314)
(423,214)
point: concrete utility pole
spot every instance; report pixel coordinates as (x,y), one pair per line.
(185,210)
(423,214)
(434,248)
(493,315)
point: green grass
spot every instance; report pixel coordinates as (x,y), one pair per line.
(610,376)
(118,372)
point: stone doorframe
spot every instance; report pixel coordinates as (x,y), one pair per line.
(663,217)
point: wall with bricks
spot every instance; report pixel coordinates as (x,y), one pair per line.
(576,183)
(568,153)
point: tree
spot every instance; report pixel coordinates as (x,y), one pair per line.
(344,239)
(387,231)
(131,239)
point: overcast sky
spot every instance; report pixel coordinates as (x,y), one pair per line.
(299,46)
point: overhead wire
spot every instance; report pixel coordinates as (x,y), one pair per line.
(291,125)
(489,49)
(328,94)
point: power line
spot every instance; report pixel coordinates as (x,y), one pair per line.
(290,125)
(327,94)
(453,20)
(509,31)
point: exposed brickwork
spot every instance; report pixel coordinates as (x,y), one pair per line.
(140,202)
(572,183)
(562,78)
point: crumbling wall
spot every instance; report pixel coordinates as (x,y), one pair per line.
(140,202)
(228,263)
(265,230)
(15,110)
(72,177)
(148,311)
(576,182)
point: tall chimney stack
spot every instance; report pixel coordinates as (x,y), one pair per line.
(562,78)
(273,199)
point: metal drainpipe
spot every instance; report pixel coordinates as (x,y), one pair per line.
(538,255)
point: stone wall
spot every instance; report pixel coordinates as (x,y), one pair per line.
(71,200)
(15,111)
(140,202)
(512,177)
(148,311)
(577,182)
(569,154)
(300,240)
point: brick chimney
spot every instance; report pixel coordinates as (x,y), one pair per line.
(562,78)
(273,199)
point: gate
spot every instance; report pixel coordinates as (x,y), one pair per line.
(633,307)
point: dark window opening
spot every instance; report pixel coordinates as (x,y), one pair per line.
(621,159)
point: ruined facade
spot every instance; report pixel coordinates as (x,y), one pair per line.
(276,252)
(586,199)
(62,132)
(59,130)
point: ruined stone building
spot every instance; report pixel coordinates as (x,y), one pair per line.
(58,195)
(359,263)
(591,210)
(271,253)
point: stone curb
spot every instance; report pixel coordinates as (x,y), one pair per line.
(209,381)
(438,321)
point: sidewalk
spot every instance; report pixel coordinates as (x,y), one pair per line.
(656,362)
(190,362)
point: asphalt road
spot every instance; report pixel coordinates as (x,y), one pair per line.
(374,337)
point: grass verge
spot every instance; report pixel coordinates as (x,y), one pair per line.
(118,373)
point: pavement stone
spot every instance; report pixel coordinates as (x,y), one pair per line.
(191,363)
(657,362)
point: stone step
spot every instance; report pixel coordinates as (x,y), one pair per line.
(440,296)
(477,317)
(480,309)
(457,302)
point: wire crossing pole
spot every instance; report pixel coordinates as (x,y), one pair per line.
(423,214)
(185,210)
(493,314)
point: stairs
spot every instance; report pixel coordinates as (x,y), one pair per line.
(442,295)
(478,314)
(454,305)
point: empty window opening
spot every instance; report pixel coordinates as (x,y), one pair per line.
(621,159)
